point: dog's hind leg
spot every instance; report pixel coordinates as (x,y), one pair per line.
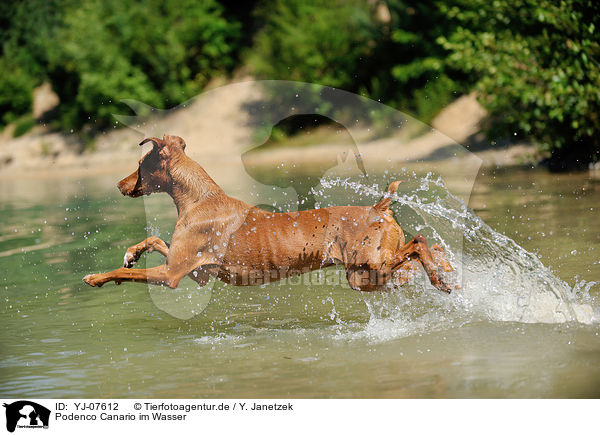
(133,253)
(439,257)
(406,271)
(417,249)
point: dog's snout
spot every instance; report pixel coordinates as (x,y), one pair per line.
(122,186)
(127,186)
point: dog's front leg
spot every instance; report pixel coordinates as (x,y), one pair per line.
(133,253)
(168,274)
(154,275)
(160,275)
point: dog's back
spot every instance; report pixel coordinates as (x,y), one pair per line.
(297,242)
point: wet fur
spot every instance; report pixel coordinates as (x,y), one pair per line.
(217,235)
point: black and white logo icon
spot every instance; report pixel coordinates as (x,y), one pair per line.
(26,414)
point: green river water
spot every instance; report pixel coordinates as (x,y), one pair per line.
(63,339)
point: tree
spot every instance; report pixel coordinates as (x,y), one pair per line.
(95,53)
(537,65)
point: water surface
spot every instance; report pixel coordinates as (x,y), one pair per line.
(507,333)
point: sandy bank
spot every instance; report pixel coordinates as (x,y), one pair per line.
(218,127)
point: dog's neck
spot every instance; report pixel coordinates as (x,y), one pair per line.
(191,184)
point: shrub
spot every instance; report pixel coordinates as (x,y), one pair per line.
(25,28)
(23,125)
(537,65)
(16,91)
(160,53)
(391,56)
(95,53)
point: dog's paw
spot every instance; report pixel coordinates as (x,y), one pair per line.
(94,280)
(445,288)
(129,260)
(440,283)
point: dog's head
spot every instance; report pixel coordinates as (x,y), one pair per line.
(152,173)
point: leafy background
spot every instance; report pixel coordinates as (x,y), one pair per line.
(534,64)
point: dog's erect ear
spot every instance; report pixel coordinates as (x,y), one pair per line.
(166,146)
(174,142)
(157,142)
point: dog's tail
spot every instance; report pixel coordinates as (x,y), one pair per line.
(385,202)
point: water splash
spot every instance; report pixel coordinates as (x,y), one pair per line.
(500,281)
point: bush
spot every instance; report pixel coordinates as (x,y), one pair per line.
(95,53)
(304,41)
(536,64)
(23,125)
(160,53)
(538,69)
(25,28)
(16,91)
(388,53)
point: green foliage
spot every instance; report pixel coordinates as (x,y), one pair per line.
(394,58)
(536,64)
(28,31)
(304,41)
(538,69)
(160,53)
(16,88)
(418,62)
(96,53)
(23,125)
(24,31)
(434,96)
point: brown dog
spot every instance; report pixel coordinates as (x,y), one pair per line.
(217,235)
